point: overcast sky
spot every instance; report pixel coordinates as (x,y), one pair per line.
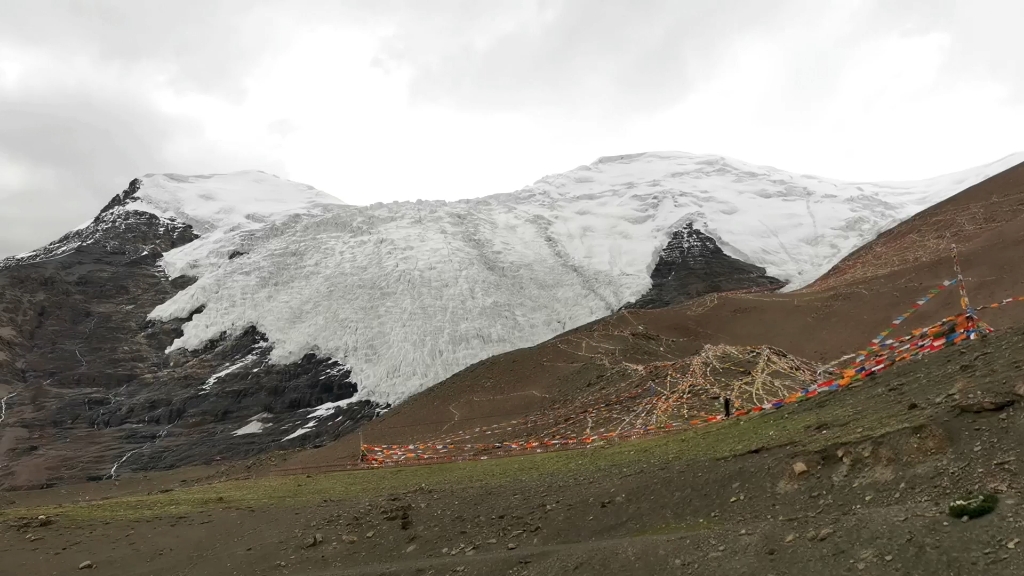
(399,100)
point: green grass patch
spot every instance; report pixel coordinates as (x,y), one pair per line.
(673,529)
(974,506)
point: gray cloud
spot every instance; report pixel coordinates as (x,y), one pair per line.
(79,145)
(640,56)
(984,34)
(38,215)
(83,121)
(205,46)
(575,54)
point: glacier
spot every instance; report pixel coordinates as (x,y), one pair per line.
(408,293)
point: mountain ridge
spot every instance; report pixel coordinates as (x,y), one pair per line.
(600,234)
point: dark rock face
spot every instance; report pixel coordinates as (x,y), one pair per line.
(85,379)
(692,265)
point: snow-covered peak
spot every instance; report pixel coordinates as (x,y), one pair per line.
(408,293)
(228,202)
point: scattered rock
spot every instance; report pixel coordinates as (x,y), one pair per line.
(410,548)
(888,558)
(824,534)
(282,564)
(512,546)
(85,565)
(989,404)
(811,535)
(1019,390)
(315,540)
(348,539)
(800,468)
(912,406)
(790,539)
(370,533)
(1012,544)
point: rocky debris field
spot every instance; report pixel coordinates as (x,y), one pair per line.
(855,482)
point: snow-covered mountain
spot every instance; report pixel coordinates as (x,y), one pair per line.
(407,293)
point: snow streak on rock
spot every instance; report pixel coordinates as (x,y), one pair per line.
(113,471)
(408,293)
(3,406)
(253,356)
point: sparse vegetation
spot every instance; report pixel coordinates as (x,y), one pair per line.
(974,506)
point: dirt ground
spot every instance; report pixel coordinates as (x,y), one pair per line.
(883,460)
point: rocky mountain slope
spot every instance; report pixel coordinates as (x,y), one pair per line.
(210,317)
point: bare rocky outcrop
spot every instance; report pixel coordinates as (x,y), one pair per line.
(693,265)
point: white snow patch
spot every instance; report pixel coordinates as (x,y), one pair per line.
(254,427)
(408,293)
(328,408)
(302,430)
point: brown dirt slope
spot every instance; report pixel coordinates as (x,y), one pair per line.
(837,315)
